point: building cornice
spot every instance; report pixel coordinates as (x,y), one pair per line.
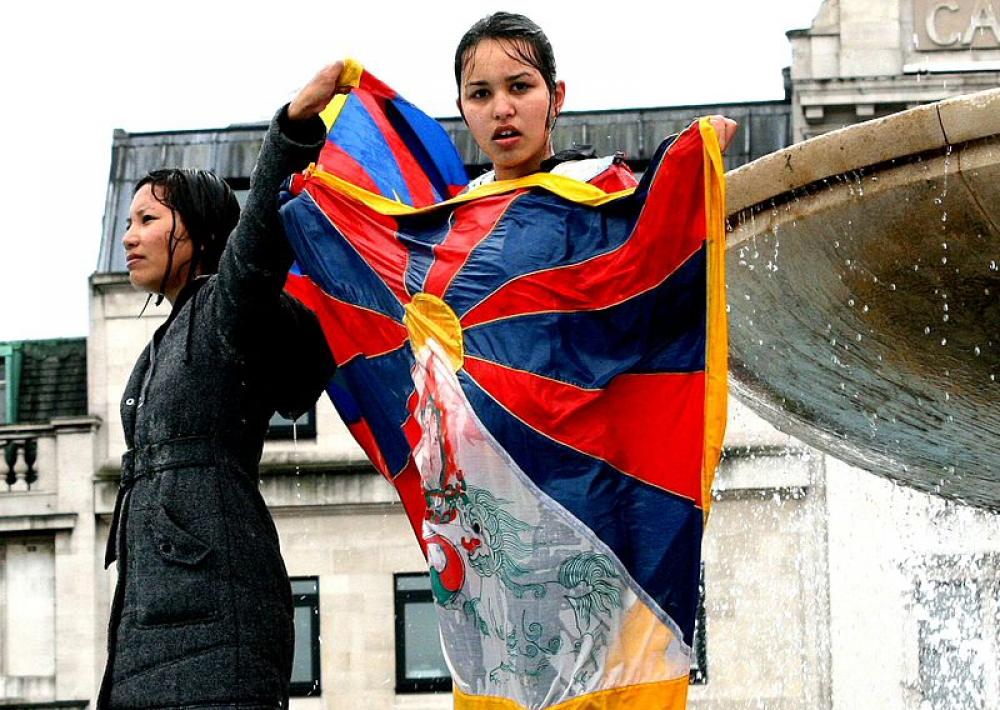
(57,425)
(50,522)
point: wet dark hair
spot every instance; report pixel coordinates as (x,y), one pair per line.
(524,40)
(207,207)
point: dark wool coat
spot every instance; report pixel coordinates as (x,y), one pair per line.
(202,613)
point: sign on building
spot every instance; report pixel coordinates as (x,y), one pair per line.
(956,24)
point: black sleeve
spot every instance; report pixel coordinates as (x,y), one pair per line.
(255,262)
(296,362)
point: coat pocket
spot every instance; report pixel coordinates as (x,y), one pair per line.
(177,584)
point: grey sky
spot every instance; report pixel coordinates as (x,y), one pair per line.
(72,72)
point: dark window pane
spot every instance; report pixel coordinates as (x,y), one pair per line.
(420,664)
(302,665)
(424,658)
(3,390)
(302,428)
(414,582)
(305,662)
(699,645)
(305,586)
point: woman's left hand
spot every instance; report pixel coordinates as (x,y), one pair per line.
(725,128)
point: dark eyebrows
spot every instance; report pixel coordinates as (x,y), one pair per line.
(513,77)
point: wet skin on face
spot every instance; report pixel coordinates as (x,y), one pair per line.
(508,108)
(147,245)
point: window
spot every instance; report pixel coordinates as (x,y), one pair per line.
(10,366)
(957,618)
(27,610)
(3,389)
(699,660)
(305,663)
(241,188)
(302,428)
(420,665)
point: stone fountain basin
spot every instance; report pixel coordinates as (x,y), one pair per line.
(864,295)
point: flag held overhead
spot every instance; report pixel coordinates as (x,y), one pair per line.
(539,367)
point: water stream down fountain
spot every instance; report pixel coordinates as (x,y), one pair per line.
(864,294)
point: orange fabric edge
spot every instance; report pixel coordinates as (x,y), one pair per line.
(662,695)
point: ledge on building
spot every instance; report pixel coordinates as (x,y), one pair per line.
(764,470)
(53,705)
(47,522)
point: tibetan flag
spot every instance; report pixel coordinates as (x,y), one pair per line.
(539,367)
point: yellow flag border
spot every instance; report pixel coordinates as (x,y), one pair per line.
(717,328)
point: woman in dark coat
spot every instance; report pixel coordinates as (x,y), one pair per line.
(202,612)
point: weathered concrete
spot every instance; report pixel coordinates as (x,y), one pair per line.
(865,294)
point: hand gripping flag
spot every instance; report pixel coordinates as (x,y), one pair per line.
(539,367)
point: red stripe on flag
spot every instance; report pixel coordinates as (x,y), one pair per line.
(602,423)
(421,190)
(374,85)
(334,159)
(372,235)
(350,330)
(411,493)
(471,224)
(670,229)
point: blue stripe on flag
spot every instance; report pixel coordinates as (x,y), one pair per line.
(358,135)
(662,330)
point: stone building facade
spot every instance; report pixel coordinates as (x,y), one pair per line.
(825,586)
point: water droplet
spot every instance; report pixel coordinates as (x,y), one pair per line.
(892,287)
(993,265)
(927,330)
(850,302)
(976,350)
(864,309)
(944,341)
(944,260)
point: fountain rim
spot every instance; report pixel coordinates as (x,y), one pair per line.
(916,131)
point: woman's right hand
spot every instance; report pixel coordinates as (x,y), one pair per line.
(314,96)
